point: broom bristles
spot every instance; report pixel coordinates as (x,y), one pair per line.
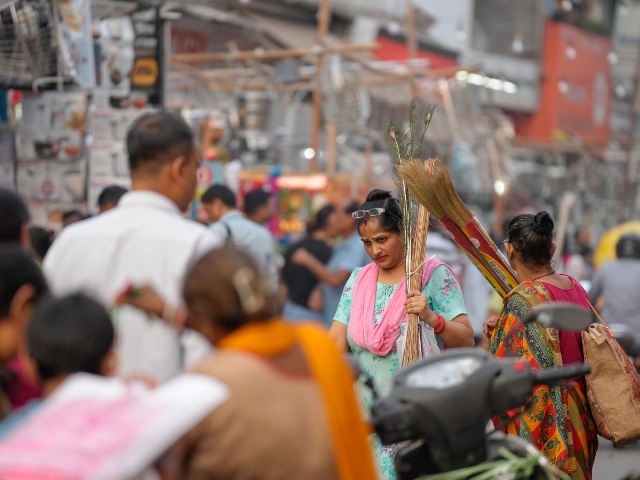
(431,184)
(417,178)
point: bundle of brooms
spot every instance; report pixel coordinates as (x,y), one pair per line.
(405,149)
(429,181)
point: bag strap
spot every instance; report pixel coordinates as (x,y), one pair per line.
(229,235)
(600,320)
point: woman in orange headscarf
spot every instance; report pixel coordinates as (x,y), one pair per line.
(292,412)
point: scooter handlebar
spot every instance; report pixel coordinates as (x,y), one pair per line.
(552,376)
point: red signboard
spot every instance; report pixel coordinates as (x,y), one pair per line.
(394,50)
(575,99)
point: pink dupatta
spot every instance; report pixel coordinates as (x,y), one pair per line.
(380,339)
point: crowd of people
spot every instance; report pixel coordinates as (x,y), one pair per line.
(143,293)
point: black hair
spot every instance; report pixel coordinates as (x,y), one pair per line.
(17,269)
(532,237)
(40,240)
(254,200)
(14,215)
(111,194)
(156,138)
(320,219)
(628,246)
(391,219)
(69,334)
(222,192)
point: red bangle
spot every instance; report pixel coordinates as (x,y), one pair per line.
(440,325)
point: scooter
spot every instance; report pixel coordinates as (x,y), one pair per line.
(439,408)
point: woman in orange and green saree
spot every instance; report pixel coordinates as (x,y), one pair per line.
(557,420)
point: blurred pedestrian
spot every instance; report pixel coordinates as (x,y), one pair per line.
(109,197)
(21,286)
(65,335)
(615,287)
(146,240)
(69,217)
(306,423)
(579,262)
(299,281)
(14,218)
(228,223)
(14,229)
(40,240)
(556,419)
(257,206)
(346,256)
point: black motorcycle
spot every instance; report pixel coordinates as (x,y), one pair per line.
(439,409)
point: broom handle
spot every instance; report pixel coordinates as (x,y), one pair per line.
(414,279)
(463,241)
(486,246)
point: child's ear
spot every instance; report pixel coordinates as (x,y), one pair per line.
(109,364)
(22,305)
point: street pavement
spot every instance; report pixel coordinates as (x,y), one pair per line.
(615,463)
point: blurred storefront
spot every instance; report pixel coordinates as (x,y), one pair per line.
(575,98)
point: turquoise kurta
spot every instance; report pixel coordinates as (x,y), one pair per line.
(445,297)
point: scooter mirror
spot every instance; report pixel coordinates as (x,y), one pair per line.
(560,315)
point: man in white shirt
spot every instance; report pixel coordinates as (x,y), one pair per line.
(228,223)
(144,240)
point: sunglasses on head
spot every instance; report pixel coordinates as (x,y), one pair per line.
(372,212)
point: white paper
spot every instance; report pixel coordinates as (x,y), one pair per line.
(107,429)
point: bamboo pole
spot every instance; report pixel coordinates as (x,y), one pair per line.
(412,43)
(271,54)
(324,17)
(332,134)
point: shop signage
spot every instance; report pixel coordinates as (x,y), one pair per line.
(145,75)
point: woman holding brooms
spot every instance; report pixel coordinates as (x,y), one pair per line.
(374,306)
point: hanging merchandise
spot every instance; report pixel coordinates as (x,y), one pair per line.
(30,45)
(51,152)
(127,62)
(76,41)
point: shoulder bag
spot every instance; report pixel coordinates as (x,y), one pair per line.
(613,386)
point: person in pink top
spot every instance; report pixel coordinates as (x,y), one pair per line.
(557,419)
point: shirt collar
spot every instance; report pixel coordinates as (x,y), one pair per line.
(231,214)
(147,198)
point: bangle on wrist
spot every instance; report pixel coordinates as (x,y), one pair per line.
(440,325)
(169,313)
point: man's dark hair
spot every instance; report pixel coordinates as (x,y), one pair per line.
(157,138)
(69,334)
(222,192)
(13,215)
(111,194)
(17,269)
(254,199)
